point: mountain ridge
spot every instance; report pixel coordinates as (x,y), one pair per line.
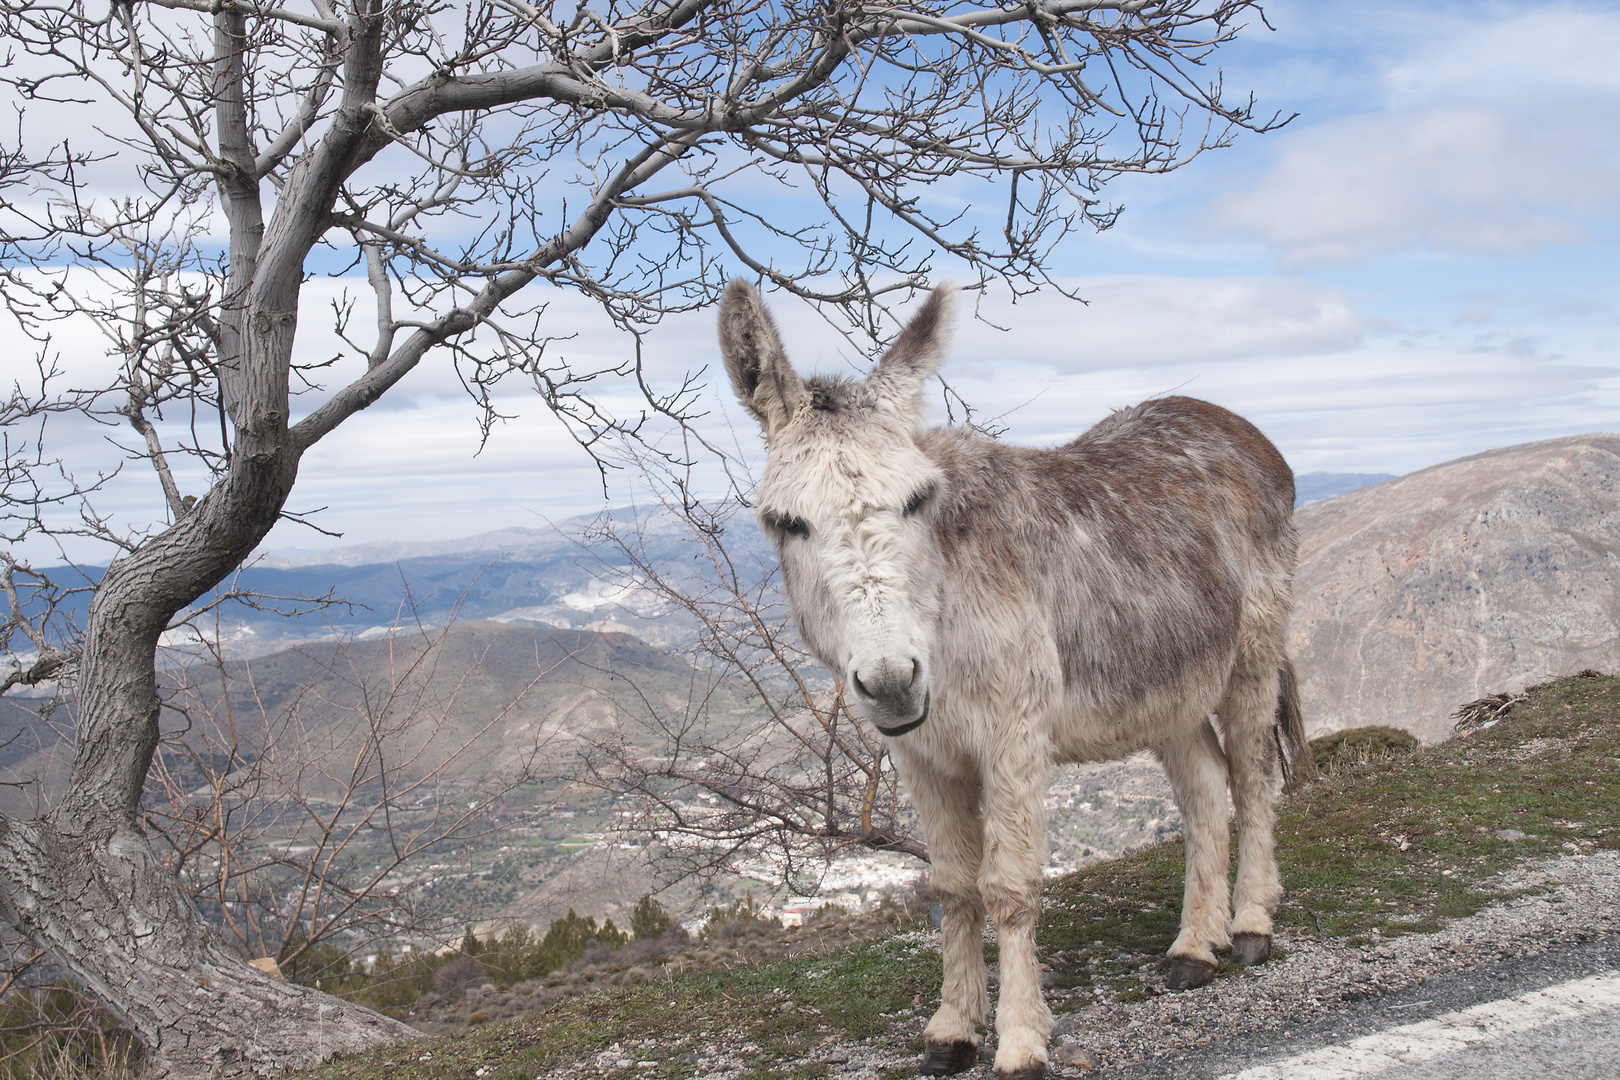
(1484,574)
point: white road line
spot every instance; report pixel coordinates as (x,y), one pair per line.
(1446,1034)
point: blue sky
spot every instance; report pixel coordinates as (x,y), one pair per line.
(1424,264)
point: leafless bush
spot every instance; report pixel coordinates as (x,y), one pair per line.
(760,758)
(459,974)
(1483,712)
(331,815)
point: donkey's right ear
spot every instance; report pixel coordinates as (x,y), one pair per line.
(761,375)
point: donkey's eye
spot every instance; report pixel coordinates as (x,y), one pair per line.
(788,524)
(918,499)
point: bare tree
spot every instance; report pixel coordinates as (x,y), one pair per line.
(461,157)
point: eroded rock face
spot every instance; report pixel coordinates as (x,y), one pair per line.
(1487,573)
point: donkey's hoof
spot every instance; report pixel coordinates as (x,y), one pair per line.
(1251,949)
(945,1058)
(1034,1071)
(1187,973)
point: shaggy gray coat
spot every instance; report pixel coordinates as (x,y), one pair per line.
(997,610)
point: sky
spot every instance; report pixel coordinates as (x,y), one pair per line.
(1424,264)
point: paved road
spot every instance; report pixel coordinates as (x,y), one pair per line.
(1556,1017)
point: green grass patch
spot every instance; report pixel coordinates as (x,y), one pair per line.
(1373,851)
(782,1010)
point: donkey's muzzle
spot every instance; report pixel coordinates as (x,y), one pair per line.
(887,690)
(928,700)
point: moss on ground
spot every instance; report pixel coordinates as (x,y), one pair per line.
(1376,850)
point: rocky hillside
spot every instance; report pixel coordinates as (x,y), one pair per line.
(499,697)
(1487,573)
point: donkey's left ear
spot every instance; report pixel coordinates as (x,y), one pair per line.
(761,375)
(897,381)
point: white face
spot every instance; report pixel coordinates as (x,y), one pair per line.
(849,499)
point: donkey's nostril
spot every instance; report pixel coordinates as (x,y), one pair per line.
(860,687)
(916,670)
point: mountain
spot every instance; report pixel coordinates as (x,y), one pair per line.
(1314,486)
(1479,575)
(571,577)
(494,697)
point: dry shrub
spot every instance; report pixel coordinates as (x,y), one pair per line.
(1481,713)
(462,973)
(742,919)
(51,1029)
(1358,746)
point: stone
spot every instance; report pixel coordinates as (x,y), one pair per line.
(1075,1057)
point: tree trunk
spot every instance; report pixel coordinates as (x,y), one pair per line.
(84,881)
(114,916)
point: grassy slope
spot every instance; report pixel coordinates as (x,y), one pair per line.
(1550,770)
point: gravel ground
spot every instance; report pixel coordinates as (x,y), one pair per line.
(1573,899)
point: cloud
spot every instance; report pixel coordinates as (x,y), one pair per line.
(1562,50)
(1156,320)
(1484,130)
(1463,179)
(1335,389)
(1041,407)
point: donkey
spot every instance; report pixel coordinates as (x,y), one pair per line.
(996,610)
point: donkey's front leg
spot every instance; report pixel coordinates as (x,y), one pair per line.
(949,807)
(1015,850)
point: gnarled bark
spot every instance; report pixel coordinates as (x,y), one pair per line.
(104,904)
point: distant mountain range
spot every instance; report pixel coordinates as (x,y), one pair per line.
(1315,486)
(1414,594)
(565,577)
(510,693)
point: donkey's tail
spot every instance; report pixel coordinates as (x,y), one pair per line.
(1293,750)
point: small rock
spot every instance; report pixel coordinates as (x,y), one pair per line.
(268,965)
(1076,1057)
(1509,835)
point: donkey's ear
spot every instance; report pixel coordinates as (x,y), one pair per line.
(761,375)
(897,381)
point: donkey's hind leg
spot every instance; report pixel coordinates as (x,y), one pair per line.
(949,807)
(1197,771)
(1248,715)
